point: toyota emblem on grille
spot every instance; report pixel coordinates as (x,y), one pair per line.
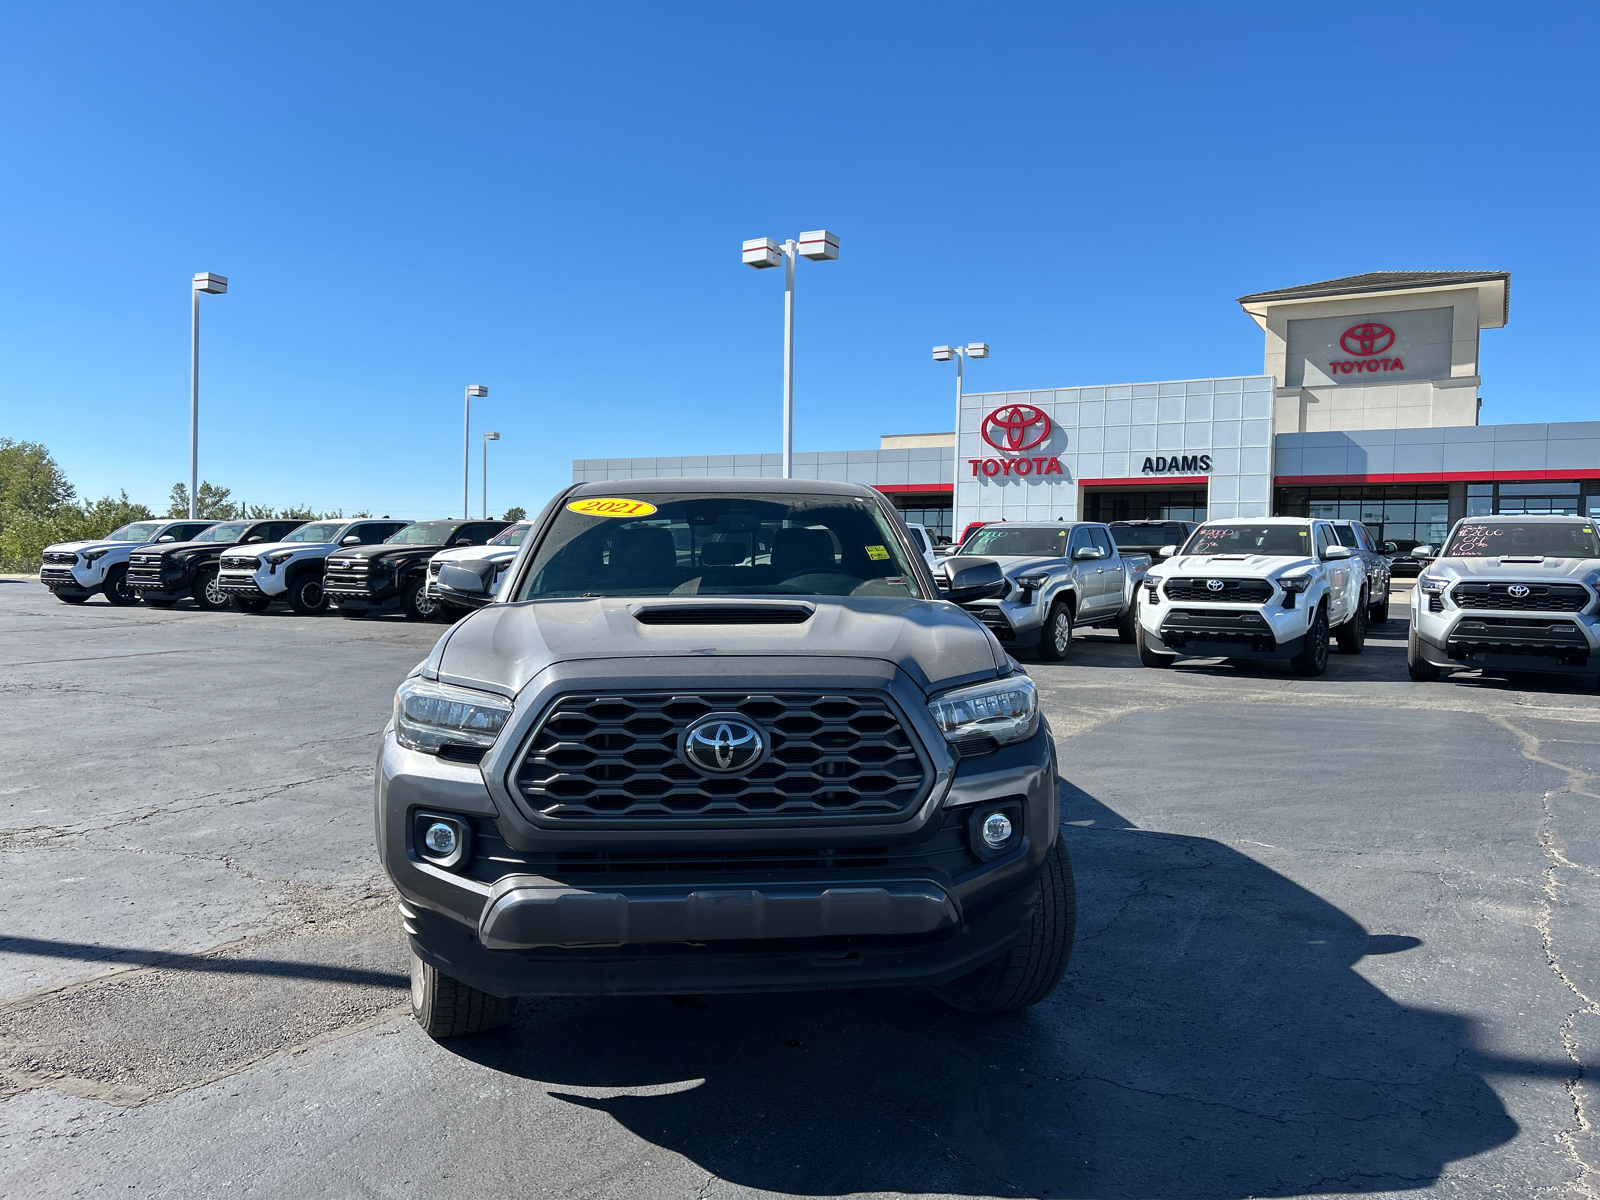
(1213,585)
(1519,590)
(722,745)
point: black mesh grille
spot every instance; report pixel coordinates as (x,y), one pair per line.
(144,570)
(60,556)
(615,757)
(1538,597)
(1232,591)
(348,576)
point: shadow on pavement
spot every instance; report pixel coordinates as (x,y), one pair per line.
(1210,1039)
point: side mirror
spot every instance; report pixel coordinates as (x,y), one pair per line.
(1087,553)
(1333,552)
(1167,551)
(1424,553)
(981,581)
(166,537)
(471,583)
(353,539)
(1389,548)
(463,542)
(250,541)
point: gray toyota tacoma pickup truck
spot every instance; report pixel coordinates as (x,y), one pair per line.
(720,735)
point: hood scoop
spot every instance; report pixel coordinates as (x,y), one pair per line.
(723,614)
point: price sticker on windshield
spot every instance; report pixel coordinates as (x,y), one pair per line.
(611,506)
(878,553)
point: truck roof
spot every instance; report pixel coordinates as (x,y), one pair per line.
(730,484)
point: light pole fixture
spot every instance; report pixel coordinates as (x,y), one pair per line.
(476,389)
(960,354)
(215,285)
(487,438)
(819,246)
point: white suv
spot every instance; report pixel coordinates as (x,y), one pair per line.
(74,571)
(292,570)
(1275,587)
(1509,594)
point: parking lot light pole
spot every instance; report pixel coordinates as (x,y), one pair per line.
(476,389)
(960,354)
(215,285)
(487,438)
(819,246)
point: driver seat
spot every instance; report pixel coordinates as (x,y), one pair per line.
(796,551)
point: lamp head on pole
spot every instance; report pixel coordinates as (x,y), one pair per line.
(491,437)
(216,285)
(943,353)
(977,349)
(477,389)
(762,253)
(819,245)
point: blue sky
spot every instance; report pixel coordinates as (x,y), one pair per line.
(549,199)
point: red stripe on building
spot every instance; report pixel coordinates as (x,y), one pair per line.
(1438,477)
(892,488)
(1145,480)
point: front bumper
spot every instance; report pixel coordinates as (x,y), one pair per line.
(1261,631)
(60,577)
(1015,626)
(1561,643)
(929,911)
(246,583)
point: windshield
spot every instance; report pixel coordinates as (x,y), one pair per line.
(1159,533)
(224,533)
(721,545)
(139,531)
(1291,540)
(1519,539)
(514,536)
(319,531)
(423,533)
(1000,540)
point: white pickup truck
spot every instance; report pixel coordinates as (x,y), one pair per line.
(254,576)
(1059,575)
(1274,587)
(74,571)
(1508,594)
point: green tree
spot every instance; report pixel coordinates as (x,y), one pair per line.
(213,503)
(30,481)
(24,536)
(515,514)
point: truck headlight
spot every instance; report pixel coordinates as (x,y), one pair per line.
(90,556)
(1430,585)
(277,557)
(1031,584)
(1006,710)
(1293,585)
(427,715)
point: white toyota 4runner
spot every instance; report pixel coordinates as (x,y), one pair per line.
(74,571)
(1275,587)
(1509,594)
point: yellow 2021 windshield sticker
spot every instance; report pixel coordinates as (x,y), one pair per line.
(611,506)
(878,553)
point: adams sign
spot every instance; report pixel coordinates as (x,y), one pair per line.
(1177,464)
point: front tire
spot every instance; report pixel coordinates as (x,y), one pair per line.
(1056,643)
(1313,657)
(1127,623)
(206,593)
(1030,970)
(1419,668)
(117,589)
(1352,634)
(417,604)
(445,1007)
(306,596)
(1148,656)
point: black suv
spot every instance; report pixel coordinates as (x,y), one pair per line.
(163,575)
(393,574)
(1150,537)
(1376,557)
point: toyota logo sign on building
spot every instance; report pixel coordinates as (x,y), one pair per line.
(1366,339)
(1019,426)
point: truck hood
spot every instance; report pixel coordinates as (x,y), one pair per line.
(193,549)
(384,550)
(80,547)
(494,554)
(1579,570)
(504,646)
(1011,565)
(296,547)
(1236,566)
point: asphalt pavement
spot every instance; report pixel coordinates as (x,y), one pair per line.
(1335,936)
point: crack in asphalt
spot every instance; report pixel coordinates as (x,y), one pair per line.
(1554,849)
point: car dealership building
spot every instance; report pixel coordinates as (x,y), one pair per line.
(1366,407)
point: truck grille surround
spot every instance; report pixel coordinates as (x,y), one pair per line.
(144,572)
(1536,597)
(66,557)
(1233,591)
(597,759)
(240,562)
(348,577)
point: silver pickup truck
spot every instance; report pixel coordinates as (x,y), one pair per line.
(1060,575)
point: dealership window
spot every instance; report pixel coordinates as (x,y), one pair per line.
(1406,514)
(1186,505)
(1524,499)
(938,519)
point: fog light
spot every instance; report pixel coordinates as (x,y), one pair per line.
(442,839)
(996,830)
